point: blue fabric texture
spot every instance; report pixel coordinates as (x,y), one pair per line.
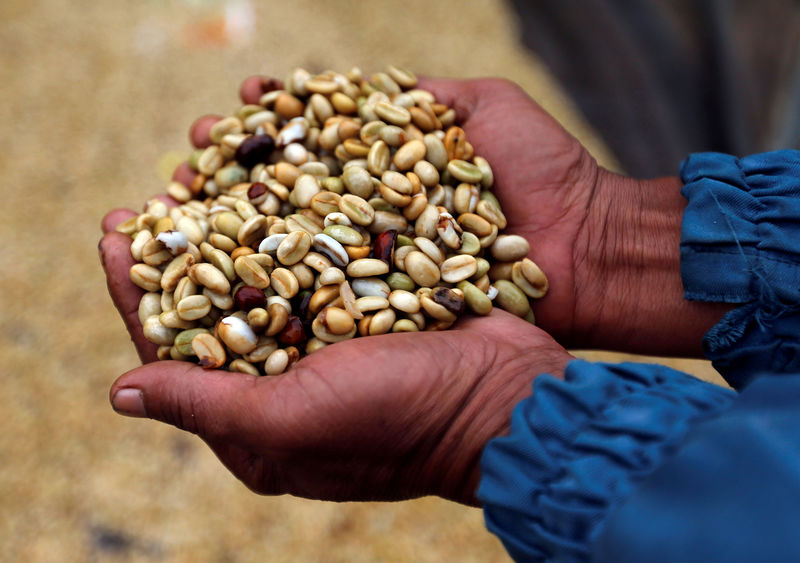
(740,243)
(579,446)
(731,493)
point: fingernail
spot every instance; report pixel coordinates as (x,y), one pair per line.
(129,402)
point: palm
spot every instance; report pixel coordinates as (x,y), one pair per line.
(370,420)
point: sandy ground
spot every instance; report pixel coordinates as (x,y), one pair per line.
(95,102)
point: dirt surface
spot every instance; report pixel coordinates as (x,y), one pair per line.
(95,100)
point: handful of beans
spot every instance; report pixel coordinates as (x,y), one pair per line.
(341,206)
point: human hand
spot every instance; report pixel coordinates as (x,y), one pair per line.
(379,418)
(608,243)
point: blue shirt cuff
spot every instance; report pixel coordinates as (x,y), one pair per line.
(579,446)
(741,244)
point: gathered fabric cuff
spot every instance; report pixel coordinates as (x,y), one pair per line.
(740,243)
(579,446)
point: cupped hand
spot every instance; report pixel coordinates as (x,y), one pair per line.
(609,244)
(378,418)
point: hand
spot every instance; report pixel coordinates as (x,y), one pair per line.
(380,418)
(609,244)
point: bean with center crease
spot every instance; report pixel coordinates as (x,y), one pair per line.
(293,247)
(209,350)
(458,268)
(251,272)
(193,307)
(146,277)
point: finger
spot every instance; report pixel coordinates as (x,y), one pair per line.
(114,218)
(116,259)
(302,410)
(461,95)
(199,131)
(184,174)
(218,406)
(492,323)
(169,200)
(253,87)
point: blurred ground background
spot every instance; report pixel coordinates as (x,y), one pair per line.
(95,102)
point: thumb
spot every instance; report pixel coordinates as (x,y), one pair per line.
(460,94)
(216,405)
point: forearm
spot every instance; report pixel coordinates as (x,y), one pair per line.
(631,251)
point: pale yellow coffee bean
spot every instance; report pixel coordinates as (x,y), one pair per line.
(393,114)
(293,247)
(146,277)
(149,305)
(458,268)
(510,248)
(371,303)
(435,151)
(357,209)
(208,276)
(529,278)
(176,270)
(157,333)
(284,283)
(251,272)
(277,362)
(237,334)
(209,351)
(336,320)
(306,277)
(306,187)
(365,267)
(409,154)
(404,301)
(422,269)
(193,307)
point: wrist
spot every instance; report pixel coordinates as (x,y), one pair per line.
(631,260)
(453,468)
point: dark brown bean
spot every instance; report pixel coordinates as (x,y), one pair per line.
(254,150)
(248,297)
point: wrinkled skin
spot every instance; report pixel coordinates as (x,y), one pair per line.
(404,415)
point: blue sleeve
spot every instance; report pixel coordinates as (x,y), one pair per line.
(740,243)
(731,493)
(641,463)
(579,446)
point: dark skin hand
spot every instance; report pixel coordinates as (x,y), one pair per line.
(366,419)
(358,420)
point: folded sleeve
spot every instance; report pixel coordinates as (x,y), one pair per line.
(740,243)
(579,446)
